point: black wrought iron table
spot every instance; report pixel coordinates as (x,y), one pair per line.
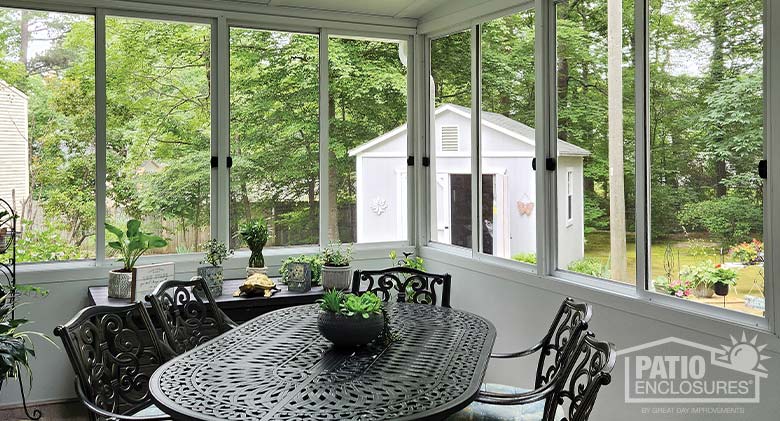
(278,367)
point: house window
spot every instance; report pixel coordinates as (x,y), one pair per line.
(594,141)
(706,140)
(450,138)
(158,131)
(367,141)
(507,138)
(569,197)
(451,175)
(47,131)
(274,134)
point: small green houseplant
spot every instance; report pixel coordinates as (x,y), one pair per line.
(255,235)
(723,279)
(216,253)
(336,271)
(16,347)
(130,244)
(350,320)
(701,277)
(314,261)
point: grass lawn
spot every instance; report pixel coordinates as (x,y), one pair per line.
(688,253)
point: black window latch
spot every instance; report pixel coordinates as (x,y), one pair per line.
(762,169)
(550,164)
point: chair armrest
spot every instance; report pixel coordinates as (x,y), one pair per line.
(112,416)
(228,321)
(518,354)
(495,398)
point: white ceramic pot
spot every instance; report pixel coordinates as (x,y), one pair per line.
(120,284)
(336,277)
(251,271)
(213,277)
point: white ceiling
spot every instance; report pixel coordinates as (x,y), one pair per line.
(389,8)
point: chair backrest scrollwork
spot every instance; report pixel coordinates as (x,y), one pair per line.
(569,324)
(407,284)
(114,352)
(187,312)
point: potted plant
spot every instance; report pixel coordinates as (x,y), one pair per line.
(681,288)
(16,348)
(350,320)
(749,253)
(216,253)
(336,272)
(723,279)
(255,235)
(130,245)
(315,261)
(700,276)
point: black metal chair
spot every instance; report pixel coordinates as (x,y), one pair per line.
(410,285)
(187,320)
(114,351)
(567,327)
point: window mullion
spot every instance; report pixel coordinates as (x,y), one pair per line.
(546,128)
(220,140)
(324,135)
(476,130)
(100,136)
(411,145)
(642,113)
(772,153)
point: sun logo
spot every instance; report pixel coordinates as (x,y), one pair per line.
(744,355)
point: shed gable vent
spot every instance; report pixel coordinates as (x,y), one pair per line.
(450,138)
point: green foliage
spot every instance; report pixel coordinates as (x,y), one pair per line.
(351,305)
(216,252)
(590,266)
(409,260)
(748,252)
(331,301)
(336,254)
(255,235)
(708,274)
(46,244)
(525,257)
(132,243)
(363,305)
(314,261)
(678,287)
(729,219)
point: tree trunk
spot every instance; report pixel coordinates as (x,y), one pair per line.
(717,73)
(333,185)
(617,205)
(24,32)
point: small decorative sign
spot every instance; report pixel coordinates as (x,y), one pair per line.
(146,278)
(299,277)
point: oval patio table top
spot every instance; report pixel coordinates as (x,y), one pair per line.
(278,367)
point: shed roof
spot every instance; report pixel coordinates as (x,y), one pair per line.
(496,120)
(5,85)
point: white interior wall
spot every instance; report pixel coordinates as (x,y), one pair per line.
(522,314)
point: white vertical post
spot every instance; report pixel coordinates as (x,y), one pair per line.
(100,136)
(324,136)
(411,142)
(546,136)
(642,113)
(425,99)
(476,130)
(220,115)
(772,151)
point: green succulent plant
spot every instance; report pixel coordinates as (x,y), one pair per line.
(255,234)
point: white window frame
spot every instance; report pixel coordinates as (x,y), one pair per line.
(220,21)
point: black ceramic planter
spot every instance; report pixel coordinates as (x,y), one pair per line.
(345,331)
(721,289)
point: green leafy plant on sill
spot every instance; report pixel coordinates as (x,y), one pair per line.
(216,252)
(336,254)
(255,235)
(409,260)
(314,261)
(132,243)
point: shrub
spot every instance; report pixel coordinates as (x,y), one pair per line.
(590,266)
(46,244)
(729,219)
(748,252)
(678,287)
(525,257)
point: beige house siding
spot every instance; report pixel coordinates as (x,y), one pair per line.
(14,170)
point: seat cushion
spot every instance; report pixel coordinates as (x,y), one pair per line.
(149,411)
(482,411)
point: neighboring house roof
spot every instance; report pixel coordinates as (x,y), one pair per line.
(5,85)
(496,121)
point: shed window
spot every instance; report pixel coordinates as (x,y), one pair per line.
(450,137)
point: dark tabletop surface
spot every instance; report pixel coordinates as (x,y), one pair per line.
(278,367)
